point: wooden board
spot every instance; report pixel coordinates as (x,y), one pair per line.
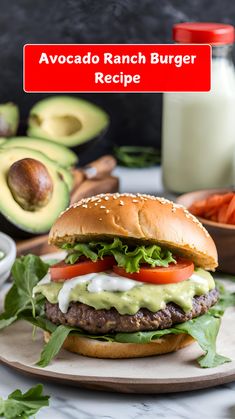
(38,245)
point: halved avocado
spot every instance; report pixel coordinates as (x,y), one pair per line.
(13,218)
(61,154)
(67,176)
(66,120)
(9,119)
(66,173)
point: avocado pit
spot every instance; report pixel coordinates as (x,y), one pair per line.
(30,184)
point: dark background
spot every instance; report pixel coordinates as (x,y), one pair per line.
(136,118)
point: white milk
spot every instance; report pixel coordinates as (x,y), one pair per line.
(199,133)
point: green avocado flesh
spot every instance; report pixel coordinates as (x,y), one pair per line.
(39,221)
(51,151)
(152,297)
(9,119)
(57,152)
(66,120)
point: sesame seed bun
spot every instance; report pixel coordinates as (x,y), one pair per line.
(136,219)
(98,349)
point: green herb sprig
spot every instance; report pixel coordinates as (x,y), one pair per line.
(23,405)
(134,156)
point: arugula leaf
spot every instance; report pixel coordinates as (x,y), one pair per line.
(39,321)
(51,349)
(144,337)
(27,271)
(54,345)
(23,405)
(129,259)
(7,321)
(227,299)
(203,329)
(27,275)
(134,156)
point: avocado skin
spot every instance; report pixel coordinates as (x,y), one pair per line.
(61,154)
(9,119)
(94,121)
(14,231)
(80,148)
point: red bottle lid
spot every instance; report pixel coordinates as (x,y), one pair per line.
(203,33)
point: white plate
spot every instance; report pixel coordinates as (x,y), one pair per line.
(7,245)
(167,373)
(174,372)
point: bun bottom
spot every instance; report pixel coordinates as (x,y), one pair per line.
(98,349)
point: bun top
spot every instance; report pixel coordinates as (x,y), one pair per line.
(136,219)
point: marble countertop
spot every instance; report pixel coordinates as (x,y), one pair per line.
(75,403)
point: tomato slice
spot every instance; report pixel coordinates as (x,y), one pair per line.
(64,271)
(178,272)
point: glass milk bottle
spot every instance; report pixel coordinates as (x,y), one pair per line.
(199,128)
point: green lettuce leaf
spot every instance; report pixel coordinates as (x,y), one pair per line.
(203,329)
(58,336)
(80,250)
(54,345)
(131,260)
(227,299)
(23,405)
(27,271)
(6,321)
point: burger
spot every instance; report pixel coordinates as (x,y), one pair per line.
(135,278)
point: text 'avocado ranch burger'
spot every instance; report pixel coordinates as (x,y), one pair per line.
(135,281)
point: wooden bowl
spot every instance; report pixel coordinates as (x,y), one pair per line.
(222,234)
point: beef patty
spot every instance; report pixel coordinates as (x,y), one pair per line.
(110,321)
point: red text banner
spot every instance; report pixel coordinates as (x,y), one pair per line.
(116,68)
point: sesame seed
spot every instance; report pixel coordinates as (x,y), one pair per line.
(143,197)
(102,206)
(100,219)
(107,211)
